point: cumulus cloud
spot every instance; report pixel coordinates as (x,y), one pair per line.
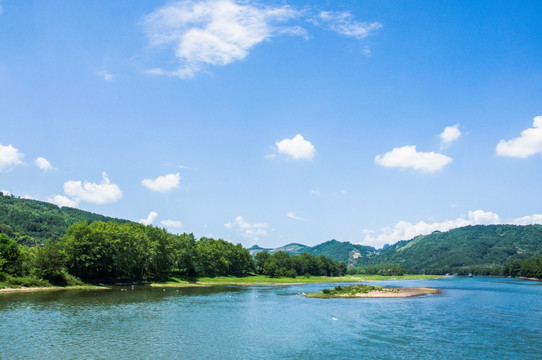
(528,220)
(528,143)
(172,223)
(43,164)
(150,218)
(407,157)
(449,135)
(103,193)
(345,24)
(248,230)
(5,192)
(214,32)
(9,157)
(62,200)
(292,215)
(297,147)
(405,230)
(163,183)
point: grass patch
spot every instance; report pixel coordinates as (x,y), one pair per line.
(264,280)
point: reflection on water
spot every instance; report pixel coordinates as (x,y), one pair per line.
(479,318)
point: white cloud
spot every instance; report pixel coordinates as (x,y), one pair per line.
(269,156)
(5,192)
(292,215)
(528,220)
(28,197)
(9,157)
(528,143)
(172,223)
(408,157)
(150,218)
(252,231)
(297,148)
(405,230)
(103,193)
(62,200)
(449,135)
(43,164)
(163,183)
(314,192)
(214,32)
(344,24)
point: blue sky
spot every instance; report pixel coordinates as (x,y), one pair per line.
(276,122)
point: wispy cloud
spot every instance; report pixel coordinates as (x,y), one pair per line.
(210,33)
(345,24)
(10,157)
(214,32)
(292,215)
(297,148)
(107,76)
(248,230)
(528,143)
(163,183)
(408,157)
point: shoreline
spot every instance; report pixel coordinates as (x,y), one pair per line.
(258,280)
(52,288)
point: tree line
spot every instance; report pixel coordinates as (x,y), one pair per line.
(380,269)
(283,264)
(531,268)
(111,252)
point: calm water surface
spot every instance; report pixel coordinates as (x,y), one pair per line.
(478,318)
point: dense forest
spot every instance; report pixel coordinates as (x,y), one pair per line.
(481,250)
(281,263)
(32,222)
(41,241)
(529,268)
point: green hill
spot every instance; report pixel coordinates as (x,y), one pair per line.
(477,249)
(347,252)
(32,221)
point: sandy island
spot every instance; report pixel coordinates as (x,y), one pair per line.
(384,293)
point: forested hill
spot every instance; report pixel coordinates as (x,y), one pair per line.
(477,249)
(351,254)
(31,221)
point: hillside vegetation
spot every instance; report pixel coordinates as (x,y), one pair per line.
(31,221)
(480,249)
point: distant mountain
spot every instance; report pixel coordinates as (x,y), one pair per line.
(470,248)
(32,221)
(347,252)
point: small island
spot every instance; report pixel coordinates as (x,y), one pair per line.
(369,291)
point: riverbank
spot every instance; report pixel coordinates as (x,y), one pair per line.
(368,291)
(263,280)
(53,288)
(255,280)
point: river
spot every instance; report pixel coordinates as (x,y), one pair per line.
(473,318)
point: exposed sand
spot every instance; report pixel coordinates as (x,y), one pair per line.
(384,293)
